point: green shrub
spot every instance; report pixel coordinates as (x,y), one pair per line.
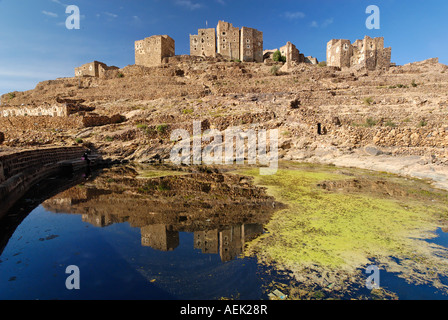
(120,75)
(422,123)
(142,126)
(187,111)
(368,101)
(322,64)
(78,140)
(274,70)
(389,123)
(162,128)
(370,122)
(277,56)
(11,95)
(413,84)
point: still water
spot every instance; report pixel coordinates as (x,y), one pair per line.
(172,239)
(149,234)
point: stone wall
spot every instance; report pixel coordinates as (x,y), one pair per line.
(20,170)
(93,69)
(339,53)
(151,51)
(251,45)
(204,43)
(291,53)
(368,53)
(228,40)
(55,110)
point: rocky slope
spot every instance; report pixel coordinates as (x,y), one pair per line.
(323,114)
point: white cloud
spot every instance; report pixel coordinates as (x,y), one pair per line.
(112,15)
(324,24)
(294,15)
(327,22)
(188,4)
(60,3)
(50,14)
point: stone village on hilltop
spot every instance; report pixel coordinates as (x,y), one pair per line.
(225,42)
(246,45)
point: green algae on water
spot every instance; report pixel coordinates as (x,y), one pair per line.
(343,229)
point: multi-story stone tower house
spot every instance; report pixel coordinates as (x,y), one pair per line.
(204,43)
(151,51)
(251,45)
(228,40)
(339,53)
(369,53)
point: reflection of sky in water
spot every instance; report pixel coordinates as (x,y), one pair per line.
(114,264)
(118,261)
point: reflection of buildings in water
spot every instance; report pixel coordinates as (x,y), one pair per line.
(96,220)
(160,237)
(161,207)
(228,243)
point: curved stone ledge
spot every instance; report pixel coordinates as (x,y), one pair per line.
(20,170)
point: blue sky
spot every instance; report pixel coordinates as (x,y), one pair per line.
(35,45)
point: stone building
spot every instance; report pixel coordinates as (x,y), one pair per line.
(291,53)
(150,52)
(228,40)
(204,43)
(251,45)
(93,69)
(368,53)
